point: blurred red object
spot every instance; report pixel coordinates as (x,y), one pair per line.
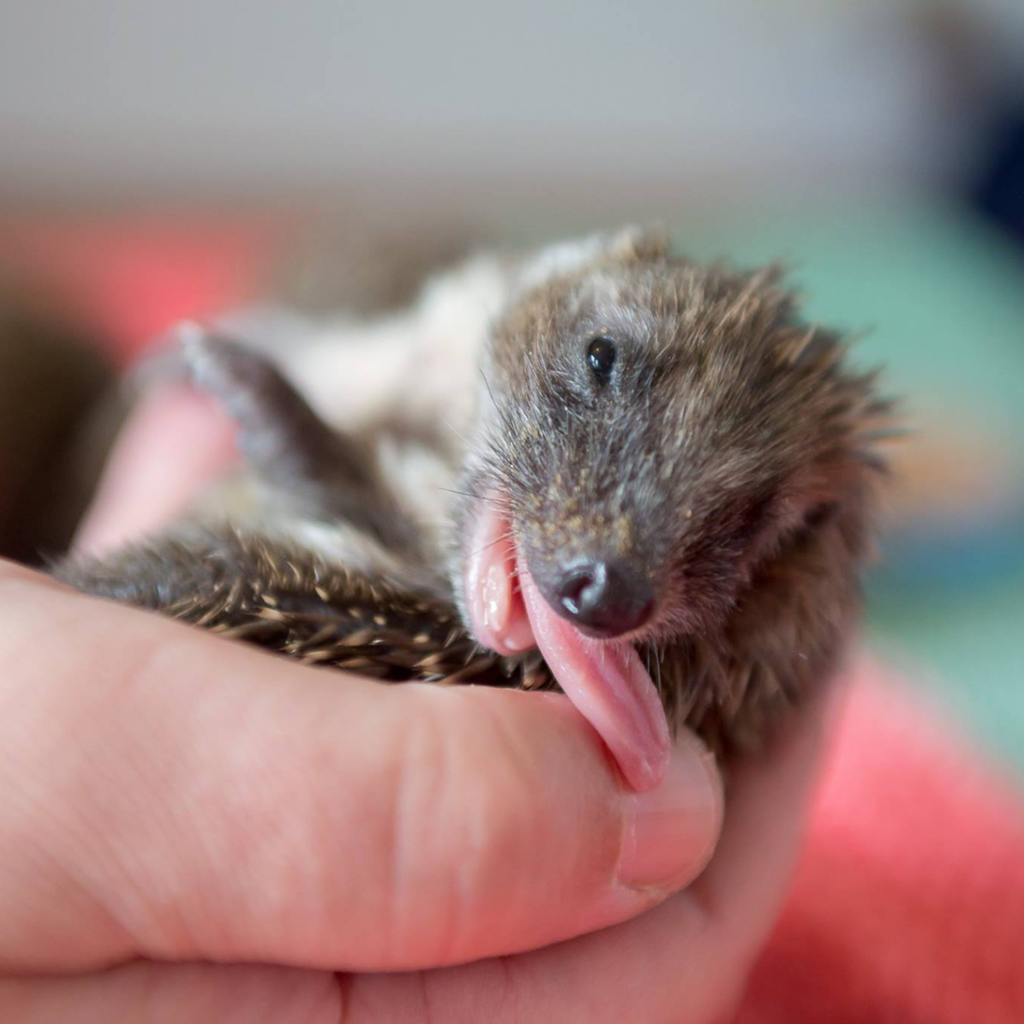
(129,281)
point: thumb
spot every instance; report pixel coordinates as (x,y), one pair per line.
(178,796)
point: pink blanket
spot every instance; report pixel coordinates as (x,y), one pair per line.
(908,904)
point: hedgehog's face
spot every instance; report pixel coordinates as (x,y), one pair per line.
(655,431)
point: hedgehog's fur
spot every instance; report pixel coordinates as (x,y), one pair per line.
(744,473)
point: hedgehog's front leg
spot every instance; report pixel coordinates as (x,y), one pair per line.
(326,475)
(310,472)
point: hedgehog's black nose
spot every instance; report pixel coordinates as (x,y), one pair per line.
(605,599)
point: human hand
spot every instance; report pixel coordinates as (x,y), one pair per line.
(179,807)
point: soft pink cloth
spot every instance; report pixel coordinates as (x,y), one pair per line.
(908,904)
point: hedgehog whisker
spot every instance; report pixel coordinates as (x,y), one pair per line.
(497,540)
(469,494)
(455,430)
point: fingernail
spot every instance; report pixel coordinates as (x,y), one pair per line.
(671,831)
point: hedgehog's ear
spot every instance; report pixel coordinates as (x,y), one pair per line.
(627,245)
(635,243)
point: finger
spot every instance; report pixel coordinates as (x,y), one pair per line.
(157,993)
(683,962)
(174,442)
(173,795)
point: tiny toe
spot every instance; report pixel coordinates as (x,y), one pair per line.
(226,368)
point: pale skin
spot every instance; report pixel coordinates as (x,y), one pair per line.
(194,830)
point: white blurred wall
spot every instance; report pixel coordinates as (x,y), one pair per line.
(108,97)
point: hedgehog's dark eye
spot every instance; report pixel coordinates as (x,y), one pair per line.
(601,358)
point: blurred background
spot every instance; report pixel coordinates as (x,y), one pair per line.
(167,160)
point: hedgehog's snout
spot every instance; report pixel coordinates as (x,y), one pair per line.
(604,598)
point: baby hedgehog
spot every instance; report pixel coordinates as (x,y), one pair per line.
(599,467)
